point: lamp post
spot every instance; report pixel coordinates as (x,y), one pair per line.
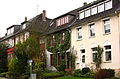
(30,61)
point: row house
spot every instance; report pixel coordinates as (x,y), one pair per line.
(19,33)
(93,24)
(98,23)
(60,27)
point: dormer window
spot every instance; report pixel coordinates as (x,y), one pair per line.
(24,26)
(98,8)
(10,31)
(62,21)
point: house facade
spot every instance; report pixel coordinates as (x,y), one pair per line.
(98,25)
(92,25)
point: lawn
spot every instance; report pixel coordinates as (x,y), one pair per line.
(72,78)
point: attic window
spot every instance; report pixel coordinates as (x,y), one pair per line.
(24,26)
(62,21)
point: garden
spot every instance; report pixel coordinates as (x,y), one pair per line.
(18,67)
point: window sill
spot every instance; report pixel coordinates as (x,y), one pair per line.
(92,37)
(107,33)
(107,62)
(79,39)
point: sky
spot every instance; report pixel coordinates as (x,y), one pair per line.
(13,12)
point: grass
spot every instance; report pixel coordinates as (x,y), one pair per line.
(72,78)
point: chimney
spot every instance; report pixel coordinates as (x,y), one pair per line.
(44,15)
(85,3)
(25,18)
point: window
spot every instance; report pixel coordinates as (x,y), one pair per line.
(62,21)
(12,29)
(108,5)
(26,35)
(94,10)
(107,52)
(79,33)
(101,8)
(83,55)
(94,54)
(24,26)
(87,13)
(92,30)
(17,40)
(81,15)
(8,31)
(107,26)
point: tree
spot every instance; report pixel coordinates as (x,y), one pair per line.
(98,60)
(27,50)
(3,58)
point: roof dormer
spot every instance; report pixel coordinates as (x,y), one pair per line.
(61,21)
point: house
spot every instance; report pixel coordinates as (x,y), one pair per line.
(98,23)
(19,33)
(59,40)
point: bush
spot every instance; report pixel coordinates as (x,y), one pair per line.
(85,70)
(53,74)
(110,73)
(24,77)
(3,74)
(13,76)
(90,75)
(61,67)
(105,73)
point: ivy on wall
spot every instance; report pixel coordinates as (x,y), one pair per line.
(56,44)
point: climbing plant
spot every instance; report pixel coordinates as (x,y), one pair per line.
(56,45)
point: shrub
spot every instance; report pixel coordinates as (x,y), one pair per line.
(110,73)
(90,75)
(24,77)
(61,67)
(3,74)
(105,73)
(85,70)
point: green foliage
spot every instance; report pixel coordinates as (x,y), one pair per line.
(38,69)
(3,58)
(84,73)
(105,73)
(13,65)
(53,74)
(57,46)
(62,66)
(85,70)
(98,60)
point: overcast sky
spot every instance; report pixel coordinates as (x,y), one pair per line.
(13,11)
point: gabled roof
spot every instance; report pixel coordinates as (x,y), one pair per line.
(39,25)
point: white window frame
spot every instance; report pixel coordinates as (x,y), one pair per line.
(23,26)
(106,4)
(101,5)
(81,14)
(105,26)
(91,29)
(107,50)
(94,10)
(79,32)
(87,14)
(82,54)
